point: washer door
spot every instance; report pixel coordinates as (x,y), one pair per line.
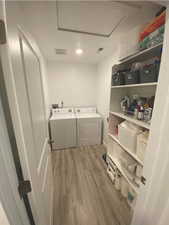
(63,133)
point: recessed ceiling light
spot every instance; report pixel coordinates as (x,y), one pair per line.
(79,51)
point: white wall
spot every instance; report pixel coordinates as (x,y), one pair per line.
(74,83)
(104,85)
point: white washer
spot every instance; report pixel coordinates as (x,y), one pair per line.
(89,126)
(63,128)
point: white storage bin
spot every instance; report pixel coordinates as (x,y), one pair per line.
(125,160)
(142,140)
(124,188)
(113,149)
(128,135)
(117,150)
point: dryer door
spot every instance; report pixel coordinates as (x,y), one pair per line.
(89,131)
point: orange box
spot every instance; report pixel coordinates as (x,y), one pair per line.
(154,25)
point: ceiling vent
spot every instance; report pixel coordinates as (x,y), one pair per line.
(60,51)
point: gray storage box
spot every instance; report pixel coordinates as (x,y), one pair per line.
(149,73)
(131,77)
(117,78)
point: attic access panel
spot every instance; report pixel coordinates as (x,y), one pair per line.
(93,18)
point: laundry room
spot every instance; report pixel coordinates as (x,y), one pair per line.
(106,109)
(88,101)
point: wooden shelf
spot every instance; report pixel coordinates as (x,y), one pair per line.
(123,172)
(150,52)
(135,85)
(134,156)
(132,120)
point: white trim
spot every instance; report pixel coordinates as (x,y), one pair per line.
(9,195)
(135,85)
(10,199)
(124,173)
(45,175)
(45,149)
(125,149)
(131,119)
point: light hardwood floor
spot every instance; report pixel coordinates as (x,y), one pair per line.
(83,192)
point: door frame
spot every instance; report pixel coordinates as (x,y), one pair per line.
(156,159)
(22,211)
(6,118)
(9,195)
(13,147)
(25,38)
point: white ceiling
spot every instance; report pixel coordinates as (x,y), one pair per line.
(96,17)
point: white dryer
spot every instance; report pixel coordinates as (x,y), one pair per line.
(89,126)
(63,128)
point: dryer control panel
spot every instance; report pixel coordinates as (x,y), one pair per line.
(62,111)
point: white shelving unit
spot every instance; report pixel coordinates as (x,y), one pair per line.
(124,173)
(116,116)
(142,54)
(132,120)
(136,85)
(125,149)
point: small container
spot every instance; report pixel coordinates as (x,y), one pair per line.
(131,77)
(140,115)
(135,113)
(55,106)
(117,78)
(149,73)
(148,114)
